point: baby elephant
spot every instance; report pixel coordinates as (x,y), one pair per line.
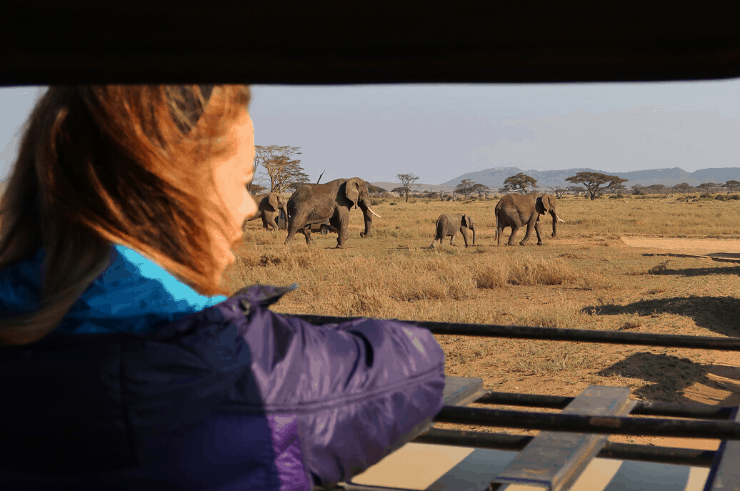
(451,224)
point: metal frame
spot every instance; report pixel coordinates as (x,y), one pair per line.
(583,418)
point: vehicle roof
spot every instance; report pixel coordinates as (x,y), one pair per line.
(366,41)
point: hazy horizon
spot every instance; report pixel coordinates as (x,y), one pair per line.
(439,132)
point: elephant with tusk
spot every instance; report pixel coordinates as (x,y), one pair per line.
(268,208)
(315,203)
(517,210)
(449,225)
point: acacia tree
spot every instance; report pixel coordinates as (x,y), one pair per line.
(407,180)
(465,187)
(559,191)
(256,189)
(519,183)
(707,187)
(481,189)
(593,181)
(280,170)
(655,188)
(732,185)
(616,188)
(682,188)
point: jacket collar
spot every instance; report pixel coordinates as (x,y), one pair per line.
(133,295)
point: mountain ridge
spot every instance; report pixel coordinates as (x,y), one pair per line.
(494,177)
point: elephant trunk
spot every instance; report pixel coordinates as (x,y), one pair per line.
(473,235)
(555,220)
(368,223)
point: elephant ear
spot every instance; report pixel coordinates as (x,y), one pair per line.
(352,189)
(548,202)
(273,200)
(539,205)
(470,223)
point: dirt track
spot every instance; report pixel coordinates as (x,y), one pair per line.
(714,248)
(727,370)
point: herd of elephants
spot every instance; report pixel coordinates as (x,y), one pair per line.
(332,201)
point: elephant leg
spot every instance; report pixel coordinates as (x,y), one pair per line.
(465,237)
(272,223)
(452,238)
(530,226)
(341,237)
(294,225)
(514,229)
(306,231)
(537,230)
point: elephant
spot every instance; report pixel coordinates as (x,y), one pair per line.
(315,203)
(516,210)
(268,207)
(449,225)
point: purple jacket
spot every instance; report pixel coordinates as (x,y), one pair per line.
(231,397)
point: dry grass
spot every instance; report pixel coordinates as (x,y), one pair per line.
(586,278)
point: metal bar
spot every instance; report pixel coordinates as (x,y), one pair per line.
(641,407)
(725,473)
(677,428)
(461,391)
(620,451)
(555,334)
(556,459)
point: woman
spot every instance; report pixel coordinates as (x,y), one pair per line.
(124,365)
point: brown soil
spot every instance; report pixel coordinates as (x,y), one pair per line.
(700,377)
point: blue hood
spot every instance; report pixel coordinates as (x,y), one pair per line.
(133,295)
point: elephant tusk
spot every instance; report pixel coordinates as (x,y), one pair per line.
(372,212)
(559,219)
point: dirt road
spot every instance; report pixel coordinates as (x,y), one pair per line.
(714,248)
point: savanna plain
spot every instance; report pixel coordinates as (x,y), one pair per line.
(585,278)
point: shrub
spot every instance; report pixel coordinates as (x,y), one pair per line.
(525,271)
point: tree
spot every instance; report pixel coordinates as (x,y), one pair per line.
(559,191)
(593,181)
(400,190)
(655,188)
(465,187)
(256,189)
(280,170)
(519,182)
(617,188)
(682,188)
(373,189)
(707,187)
(407,180)
(732,185)
(481,189)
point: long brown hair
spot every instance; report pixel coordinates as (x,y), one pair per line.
(113,164)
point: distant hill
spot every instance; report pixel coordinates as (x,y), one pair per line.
(494,178)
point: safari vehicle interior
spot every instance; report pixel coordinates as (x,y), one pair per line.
(468,41)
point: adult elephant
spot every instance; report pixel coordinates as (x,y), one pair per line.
(315,203)
(450,225)
(518,210)
(268,208)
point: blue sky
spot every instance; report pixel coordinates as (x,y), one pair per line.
(439,132)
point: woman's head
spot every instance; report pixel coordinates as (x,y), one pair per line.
(137,165)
